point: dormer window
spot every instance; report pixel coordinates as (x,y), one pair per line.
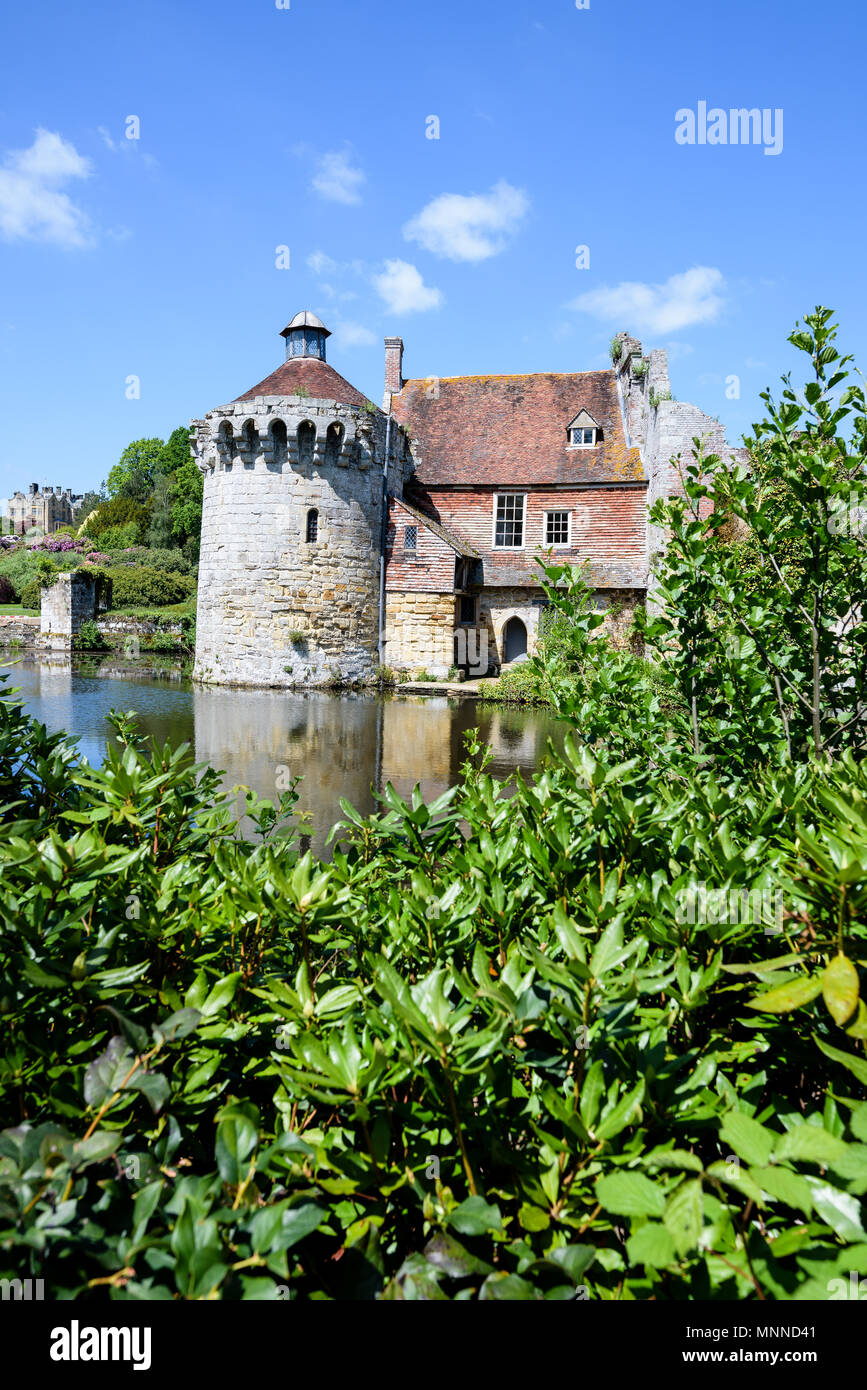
(584,431)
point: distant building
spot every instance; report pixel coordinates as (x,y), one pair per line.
(47,507)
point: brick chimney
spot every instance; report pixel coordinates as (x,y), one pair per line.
(393,369)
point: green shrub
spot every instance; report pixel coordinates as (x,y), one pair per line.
(31,595)
(19,567)
(119,512)
(133,586)
(170,561)
(119,537)
(89,638)
(163,642)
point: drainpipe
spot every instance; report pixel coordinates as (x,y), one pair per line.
(382,535)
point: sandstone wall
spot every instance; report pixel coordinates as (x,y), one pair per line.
(419,632)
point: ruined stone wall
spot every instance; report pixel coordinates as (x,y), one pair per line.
(419,632)
(66,604)
(274,608)
(19,632)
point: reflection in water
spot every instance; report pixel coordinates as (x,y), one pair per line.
(342,745)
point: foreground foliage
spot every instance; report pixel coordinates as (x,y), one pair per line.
(502,1065)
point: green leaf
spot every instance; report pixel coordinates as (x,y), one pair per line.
(785,1186)
(508,1286)
(99,1146)
(810,1144)
(856,1065)
(177,1025)
(574,1259)
(237,1136)
(675,1158)
(841,1210)
(840,988)
(734,1176)
(623,1114)
(447,1254)
(651,1245)
(749,1140)
(608,948)
(630,1194)
(592,1091)
(785,998)
(476,1217)
(683,1216)
(221,995)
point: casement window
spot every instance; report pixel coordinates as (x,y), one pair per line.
(558,526)
(582,437)
(312,526)
(509,520)
(468,609)
(410,537)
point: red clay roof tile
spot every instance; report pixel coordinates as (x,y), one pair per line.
(312,378)
(509,429)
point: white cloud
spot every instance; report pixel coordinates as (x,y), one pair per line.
(403,290)
(321,264)
(676,351)
(337,180)
(32,207)
(469,228)
(350,334)
(689,298)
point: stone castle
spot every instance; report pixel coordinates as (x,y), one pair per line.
(339,536)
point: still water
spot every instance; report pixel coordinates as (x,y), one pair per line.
(341,744)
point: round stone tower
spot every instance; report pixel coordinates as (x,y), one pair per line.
(292,523)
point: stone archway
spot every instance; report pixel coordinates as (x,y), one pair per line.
(514,640)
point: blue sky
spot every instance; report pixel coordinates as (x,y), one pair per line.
(262,127)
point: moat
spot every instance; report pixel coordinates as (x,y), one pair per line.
(342,745)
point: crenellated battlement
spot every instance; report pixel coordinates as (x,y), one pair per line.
(273,431)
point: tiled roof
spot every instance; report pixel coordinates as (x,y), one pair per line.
(461,546)
(310,377)
(498,429)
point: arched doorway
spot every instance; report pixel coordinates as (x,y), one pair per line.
(514,639)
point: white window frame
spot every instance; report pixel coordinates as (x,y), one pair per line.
(522,546)
(557,545)
(583,428)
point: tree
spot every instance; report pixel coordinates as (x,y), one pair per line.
(120,511)
(776,669)
(186,489)
(89,503)
(160,535)
(134,473)
(176,450)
